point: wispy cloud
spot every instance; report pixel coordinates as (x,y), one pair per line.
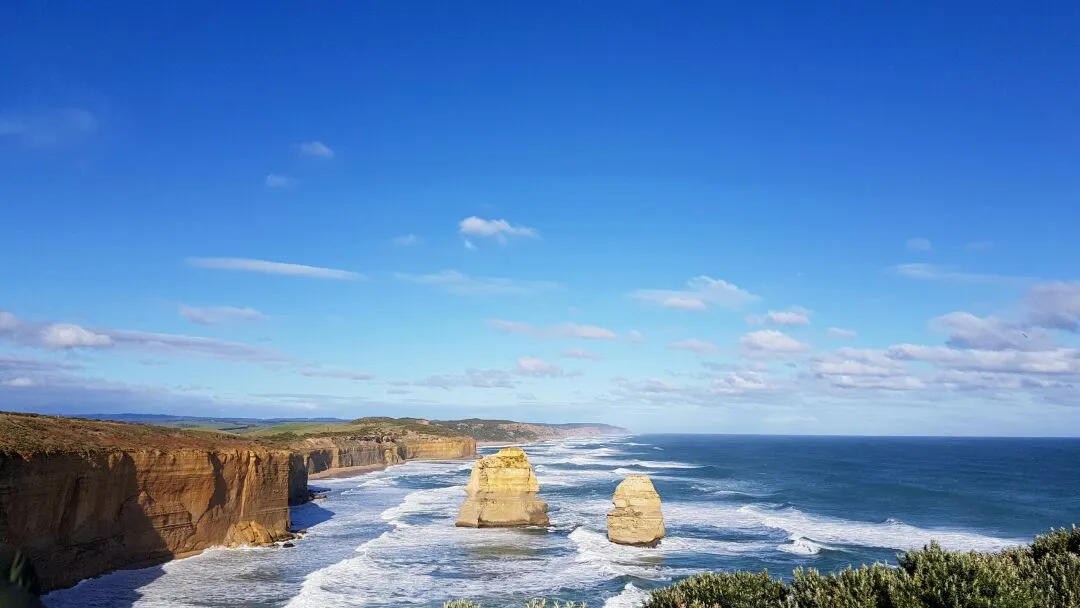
(561,330)
(966,330)
(315,149)
(978,246)
(934,272)
(341,374)
(18,383)
(48,128)
(796,315)
(407,240)
(475,378)
(843,334)
(276,180)
(69,336)
(500,230)
(456,282)
(268,267)
(216,315)
(581,353)
(702,347)
(701,293)
(537,367)
(919,244)
(635,336)
(1055,305)
(770,342)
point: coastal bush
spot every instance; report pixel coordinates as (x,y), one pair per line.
(1045,574)
(727,590)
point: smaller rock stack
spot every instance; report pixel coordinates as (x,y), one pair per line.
(636,518)
(502,493)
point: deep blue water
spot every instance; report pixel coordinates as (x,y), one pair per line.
(730,502)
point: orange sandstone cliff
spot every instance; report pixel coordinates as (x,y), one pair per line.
(329,454)
(84,497)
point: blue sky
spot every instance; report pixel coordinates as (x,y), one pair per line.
(753,217)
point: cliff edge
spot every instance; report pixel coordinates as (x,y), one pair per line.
(83,497)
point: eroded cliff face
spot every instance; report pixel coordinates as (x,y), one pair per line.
(80,514)
(323,455)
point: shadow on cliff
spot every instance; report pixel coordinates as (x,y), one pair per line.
(96,520)
(308,514)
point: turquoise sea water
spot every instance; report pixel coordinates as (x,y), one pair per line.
(730,502)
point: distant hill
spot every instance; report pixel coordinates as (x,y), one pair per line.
(283,428)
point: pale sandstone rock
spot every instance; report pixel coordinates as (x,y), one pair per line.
(636,518)
(502,493)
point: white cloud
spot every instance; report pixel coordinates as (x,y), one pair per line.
(796,315)
(694,345)
(635,336)
(919,244)
(67,335)
(407,240)
(475,378)
(475,226)
(534,366)
(843,334)
(276,180)
(18,383)
(966,330)
(1055,305)
(314,372)
(316,149)
(933,272)
(214,315)
(1056,361)
(497,229)
(470,245)
(770,341)
(562,330)
(701,293)
(279,268)
(456,282)
(581,353)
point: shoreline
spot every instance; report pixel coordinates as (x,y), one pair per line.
(347,471)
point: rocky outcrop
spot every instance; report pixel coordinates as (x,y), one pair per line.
(82,513)
(636,518)
(502,493)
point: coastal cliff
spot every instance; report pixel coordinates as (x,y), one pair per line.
(85,497)
(323,456)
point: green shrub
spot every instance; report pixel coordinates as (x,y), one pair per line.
(876,586)
(1044,575)
(724,590)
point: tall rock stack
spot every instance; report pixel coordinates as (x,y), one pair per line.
(636,518)
(502,493)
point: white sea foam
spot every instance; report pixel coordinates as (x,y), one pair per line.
(631,597)
(801,546)
(889,535)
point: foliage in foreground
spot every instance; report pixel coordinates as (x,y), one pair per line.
(530,604)
(1045,574)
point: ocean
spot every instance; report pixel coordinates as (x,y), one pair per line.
(730,502)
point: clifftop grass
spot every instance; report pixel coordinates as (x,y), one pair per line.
(29,433)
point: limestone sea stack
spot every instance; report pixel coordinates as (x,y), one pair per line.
(502,493)
(636,518)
